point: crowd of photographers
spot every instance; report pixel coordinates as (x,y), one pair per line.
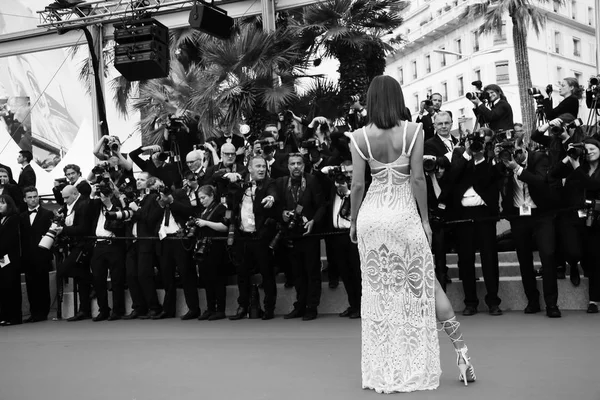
(196,215)
(547,190)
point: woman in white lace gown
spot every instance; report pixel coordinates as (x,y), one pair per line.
(400,297)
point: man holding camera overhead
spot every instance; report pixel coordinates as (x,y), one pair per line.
(529,196)
(157,165)
(427,111)
(303,209)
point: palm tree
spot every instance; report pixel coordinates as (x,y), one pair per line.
(351,31)
(523,14)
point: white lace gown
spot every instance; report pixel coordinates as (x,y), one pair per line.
(400,348)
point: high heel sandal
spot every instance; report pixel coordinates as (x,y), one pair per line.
(467,371)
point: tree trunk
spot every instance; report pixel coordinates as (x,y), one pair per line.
(353,73)
(523,78)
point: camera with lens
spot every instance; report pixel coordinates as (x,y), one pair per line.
(201,248)
(577,150)
(47,241)
(176,125)
(131,194)
(99,170)
(190,227)
(507,150)
(592,209)
(112,145)
(430,163)
(294,221)
(476,140)
(309,144)
(338,174)
(105,187)
(594,82)
(480,94)
(266,146)
(164,155)
(428,103)
(503,135)
(120,215)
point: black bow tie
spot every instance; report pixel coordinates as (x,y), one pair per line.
(32,211)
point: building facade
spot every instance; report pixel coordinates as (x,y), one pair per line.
(445,54)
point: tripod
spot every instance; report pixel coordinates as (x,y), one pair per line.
(592,121)
(540,115)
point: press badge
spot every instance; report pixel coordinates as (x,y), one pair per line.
(525,210)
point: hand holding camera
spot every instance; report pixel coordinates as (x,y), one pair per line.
(232,177)
(153,148)
(267,202)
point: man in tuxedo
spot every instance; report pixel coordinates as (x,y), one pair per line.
(427,113)
(302,189)
(73,178)
(77,225)
(139,260)
(36,261)
(497,113)
(276,161)
(9,174)
(475,197)
(10,189)
(442,144)
(157,164)
(254,208)
(224,175)
(529,194)
(27,176)
(175,211)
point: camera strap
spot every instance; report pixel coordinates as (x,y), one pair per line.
(297,192)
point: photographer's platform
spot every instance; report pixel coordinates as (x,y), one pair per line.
(334,301)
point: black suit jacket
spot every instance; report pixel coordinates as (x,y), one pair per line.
(483,178)
(31,234)
(214,177)
(95,207)
(569,105)
(83,188)
(312,200)
(427,121)
(543,189)
(499,117)
(168,173)
(10,174)
(16,194)
(9,242)
(27,177)
(436,147)
(148,216)
(279,168)
(82,223)
(262,215)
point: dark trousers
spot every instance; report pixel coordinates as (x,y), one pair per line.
(77,266)
(525,231)
(482,236)
(109,256)
(10,293)
(346,254)
(305,257)
(256,259)
(212,272)
(333,263)
(438,248)
(38,285)
(581,243)
(139,272)
(174,254)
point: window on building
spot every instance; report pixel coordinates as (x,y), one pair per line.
(500,36)
(475,41)
(428,63)
(559,73)
(461,86)
(502,76)
(443,57)
(459,48)
(590,16)
(461,112)
(574,9)
(444,91)
(401,76)
(557,42)
(477,74)
(417,103)
(556,5)
(576,47)
(414,69)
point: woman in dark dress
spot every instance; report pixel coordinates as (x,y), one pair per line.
(572,93)
(10,263)
(210,254)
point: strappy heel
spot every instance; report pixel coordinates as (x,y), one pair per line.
(467,371)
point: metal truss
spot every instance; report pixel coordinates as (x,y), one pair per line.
(105,11)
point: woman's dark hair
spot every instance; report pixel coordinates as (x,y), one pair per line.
(385,102)
(208,190)
(496,89)
(12,208)
(577,89)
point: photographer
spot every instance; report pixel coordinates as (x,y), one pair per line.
(10,189)
(237,142)
(556,135)
(77,225)
(225,174)
(110,146)
(529,197)
(254,202)
(72,177)
(180,135)
(140,256)
(36,261)
(301,189)
(108,254)
(427,111)
(357,116)
(475,198)
(579,230)
(175,211)
(344,252)
(157,165)
(276,161)
(499,115)
(210,254)
(10,263)
(571,93)
(111,168)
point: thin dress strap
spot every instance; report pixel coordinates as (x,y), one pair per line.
(367,142)
(355,144)
(404,151)
(414,139)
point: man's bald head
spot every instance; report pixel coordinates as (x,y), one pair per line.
(69,194)
(194,160)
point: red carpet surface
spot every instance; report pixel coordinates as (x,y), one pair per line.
(516,356)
